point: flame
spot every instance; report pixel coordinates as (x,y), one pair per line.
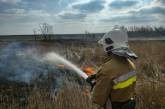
(88,70)
(60,65)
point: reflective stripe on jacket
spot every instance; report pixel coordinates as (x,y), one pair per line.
(124,80)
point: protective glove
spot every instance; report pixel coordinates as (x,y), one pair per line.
(91,80)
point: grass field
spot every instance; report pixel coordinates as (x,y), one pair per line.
(150,87)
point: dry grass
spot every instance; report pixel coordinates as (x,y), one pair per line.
(70,97)
(150,85)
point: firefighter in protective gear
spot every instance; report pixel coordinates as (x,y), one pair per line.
(116,78)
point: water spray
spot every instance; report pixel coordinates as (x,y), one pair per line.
(55,58)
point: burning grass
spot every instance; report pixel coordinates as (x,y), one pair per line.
(150,87)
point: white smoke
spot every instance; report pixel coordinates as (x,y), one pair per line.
(20,62)
(24,63)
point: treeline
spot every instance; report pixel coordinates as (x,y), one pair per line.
(145,31)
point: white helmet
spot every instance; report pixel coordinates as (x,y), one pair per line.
(116,42)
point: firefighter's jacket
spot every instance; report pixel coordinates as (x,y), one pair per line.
(116,80)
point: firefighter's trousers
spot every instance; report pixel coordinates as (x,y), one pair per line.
(130,104)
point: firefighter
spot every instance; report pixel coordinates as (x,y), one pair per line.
(116,78)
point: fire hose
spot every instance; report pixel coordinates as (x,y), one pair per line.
(91,75)
(91,80)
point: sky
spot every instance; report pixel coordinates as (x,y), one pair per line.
(78,16)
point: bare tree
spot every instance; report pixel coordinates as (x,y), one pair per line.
(35,33)
(46,30)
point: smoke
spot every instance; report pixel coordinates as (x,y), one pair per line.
(19,62)
(24,63)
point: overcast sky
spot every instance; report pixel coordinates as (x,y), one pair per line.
(76,16)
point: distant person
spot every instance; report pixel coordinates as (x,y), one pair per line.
(116,78)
